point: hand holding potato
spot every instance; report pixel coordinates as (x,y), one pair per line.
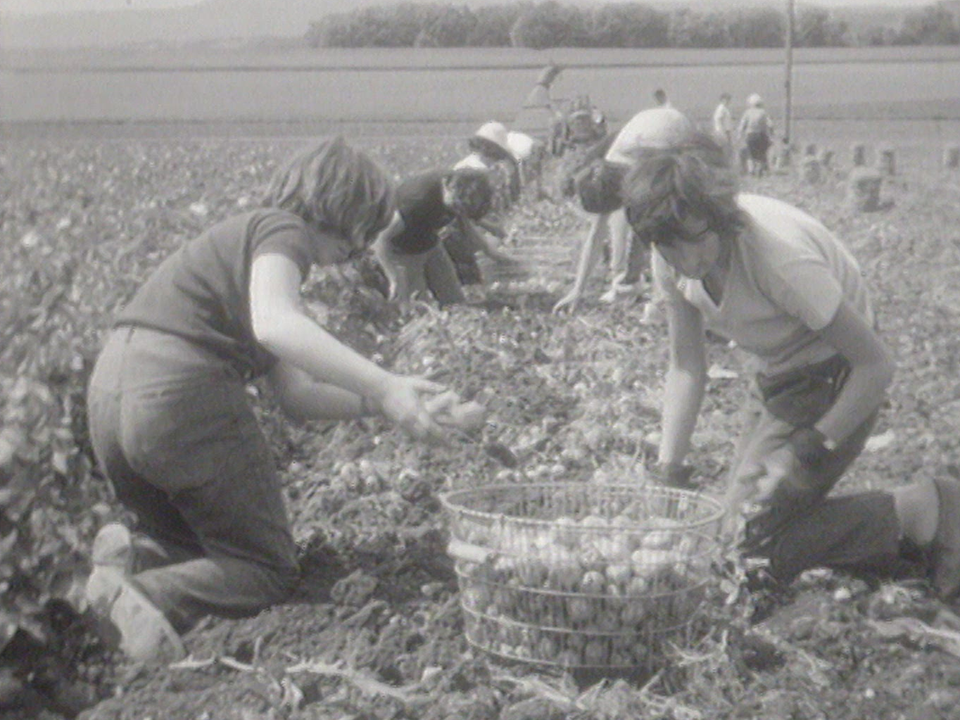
(449,410)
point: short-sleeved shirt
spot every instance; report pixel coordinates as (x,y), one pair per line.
(755,120)
(420,204)
(660,127)
(788,275)
(722,121)
(202,291)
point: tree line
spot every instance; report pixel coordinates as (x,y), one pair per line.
(553,24)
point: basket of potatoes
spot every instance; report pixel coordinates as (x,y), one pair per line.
(581,575)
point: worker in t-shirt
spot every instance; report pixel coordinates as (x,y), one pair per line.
(171,419)
(598,191)
(411,249)
(776,281)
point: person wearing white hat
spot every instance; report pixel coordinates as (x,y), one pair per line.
(723,123)
(489,151)
(756,132)
(597,187)
(530,154)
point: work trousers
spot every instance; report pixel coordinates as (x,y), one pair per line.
(857,533)
(174,432)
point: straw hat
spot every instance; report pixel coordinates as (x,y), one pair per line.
(754,100)
(496,133)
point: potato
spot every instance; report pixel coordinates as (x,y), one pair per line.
(613,549)
(469,415)
(633,613)
(595,521)
(564,576)
(569,659)
(659,540)
(637,587)
(441,404)
(619,573)
(547,648)
(593,582)
(595,653)
(532,573)
(579,609)
(446,409)
(477,598)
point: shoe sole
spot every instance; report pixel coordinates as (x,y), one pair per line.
(129,621)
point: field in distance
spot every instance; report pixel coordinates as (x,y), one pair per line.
(423,88)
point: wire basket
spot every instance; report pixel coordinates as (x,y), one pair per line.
(581,576)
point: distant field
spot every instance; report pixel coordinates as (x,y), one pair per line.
(296,57)
(300,88)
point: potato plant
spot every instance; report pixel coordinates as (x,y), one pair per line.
(378,627)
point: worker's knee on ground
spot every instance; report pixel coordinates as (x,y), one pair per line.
(280,582)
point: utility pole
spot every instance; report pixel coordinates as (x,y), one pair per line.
(788,73)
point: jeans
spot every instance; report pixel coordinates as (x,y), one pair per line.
(431,271)
(174,432)
(856,533)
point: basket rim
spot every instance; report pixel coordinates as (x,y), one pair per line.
(449,499)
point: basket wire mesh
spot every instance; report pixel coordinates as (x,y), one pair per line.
(580,575)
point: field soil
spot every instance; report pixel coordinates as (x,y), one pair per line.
(376,629)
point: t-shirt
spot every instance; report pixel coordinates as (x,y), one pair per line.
(420,204)
(755,120)
(521,145)
(660,127)
(202,291)
(722,121)
(787,276)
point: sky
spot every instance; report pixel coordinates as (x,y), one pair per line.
(31,7)
(46,6)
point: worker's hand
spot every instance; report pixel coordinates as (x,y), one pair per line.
(447,409)
(779,468)
(405,403)
(568,302)
(505,259)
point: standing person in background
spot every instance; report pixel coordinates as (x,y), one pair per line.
(723,124)
(756,132)
(770,277)
(171,421)
(598,189)
(537,116)
(540,116)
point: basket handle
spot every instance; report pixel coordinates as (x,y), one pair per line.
(461,550)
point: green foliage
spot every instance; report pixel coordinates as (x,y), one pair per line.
(629,25)
(450,27)
(932,25)
(549,24)
(815,27)
(554,24)
(756,28)
(493,26)
(694,29)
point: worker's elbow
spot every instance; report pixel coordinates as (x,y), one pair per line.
(886,370)
(270,331)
